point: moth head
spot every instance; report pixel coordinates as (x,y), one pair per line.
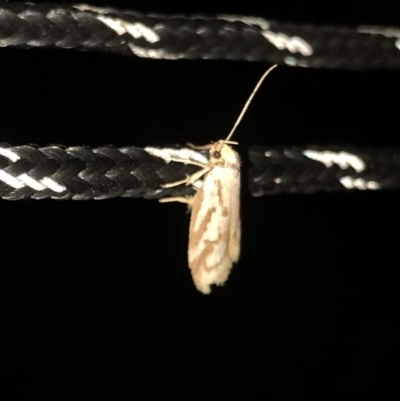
(221,151)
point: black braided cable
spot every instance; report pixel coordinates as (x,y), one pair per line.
(82,173)
(228,37)
(322,169)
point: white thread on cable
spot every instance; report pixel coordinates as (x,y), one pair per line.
(24,179)
(136,30)
(9,154)
(248,20)
(53,185)
(156,54)
(359,183)
(95,9)
(183,154)
(30,182)
(119,26)
(10,180)
(342,159)
(294,44)
(294,62)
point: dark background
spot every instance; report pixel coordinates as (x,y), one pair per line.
(96,299)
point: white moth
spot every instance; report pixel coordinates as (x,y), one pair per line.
(215,229)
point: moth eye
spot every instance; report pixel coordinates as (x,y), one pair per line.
(216,154)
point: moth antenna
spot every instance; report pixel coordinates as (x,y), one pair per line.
(246,106)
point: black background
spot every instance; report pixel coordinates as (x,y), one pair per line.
(96,299)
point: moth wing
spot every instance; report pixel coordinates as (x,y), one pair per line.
(215,228)
(235,223)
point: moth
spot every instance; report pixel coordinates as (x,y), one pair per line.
(215,228)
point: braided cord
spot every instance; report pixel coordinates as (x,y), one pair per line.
(82,173)
(315,169)
(84,27)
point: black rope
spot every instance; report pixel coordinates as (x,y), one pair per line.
(322,169)
(227,37)
(82,173)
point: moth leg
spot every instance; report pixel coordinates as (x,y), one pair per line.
(190,179)
(201,147)
(186,161)
(197,175)
(182,199)
(176,183)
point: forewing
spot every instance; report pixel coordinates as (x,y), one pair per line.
(215,228)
